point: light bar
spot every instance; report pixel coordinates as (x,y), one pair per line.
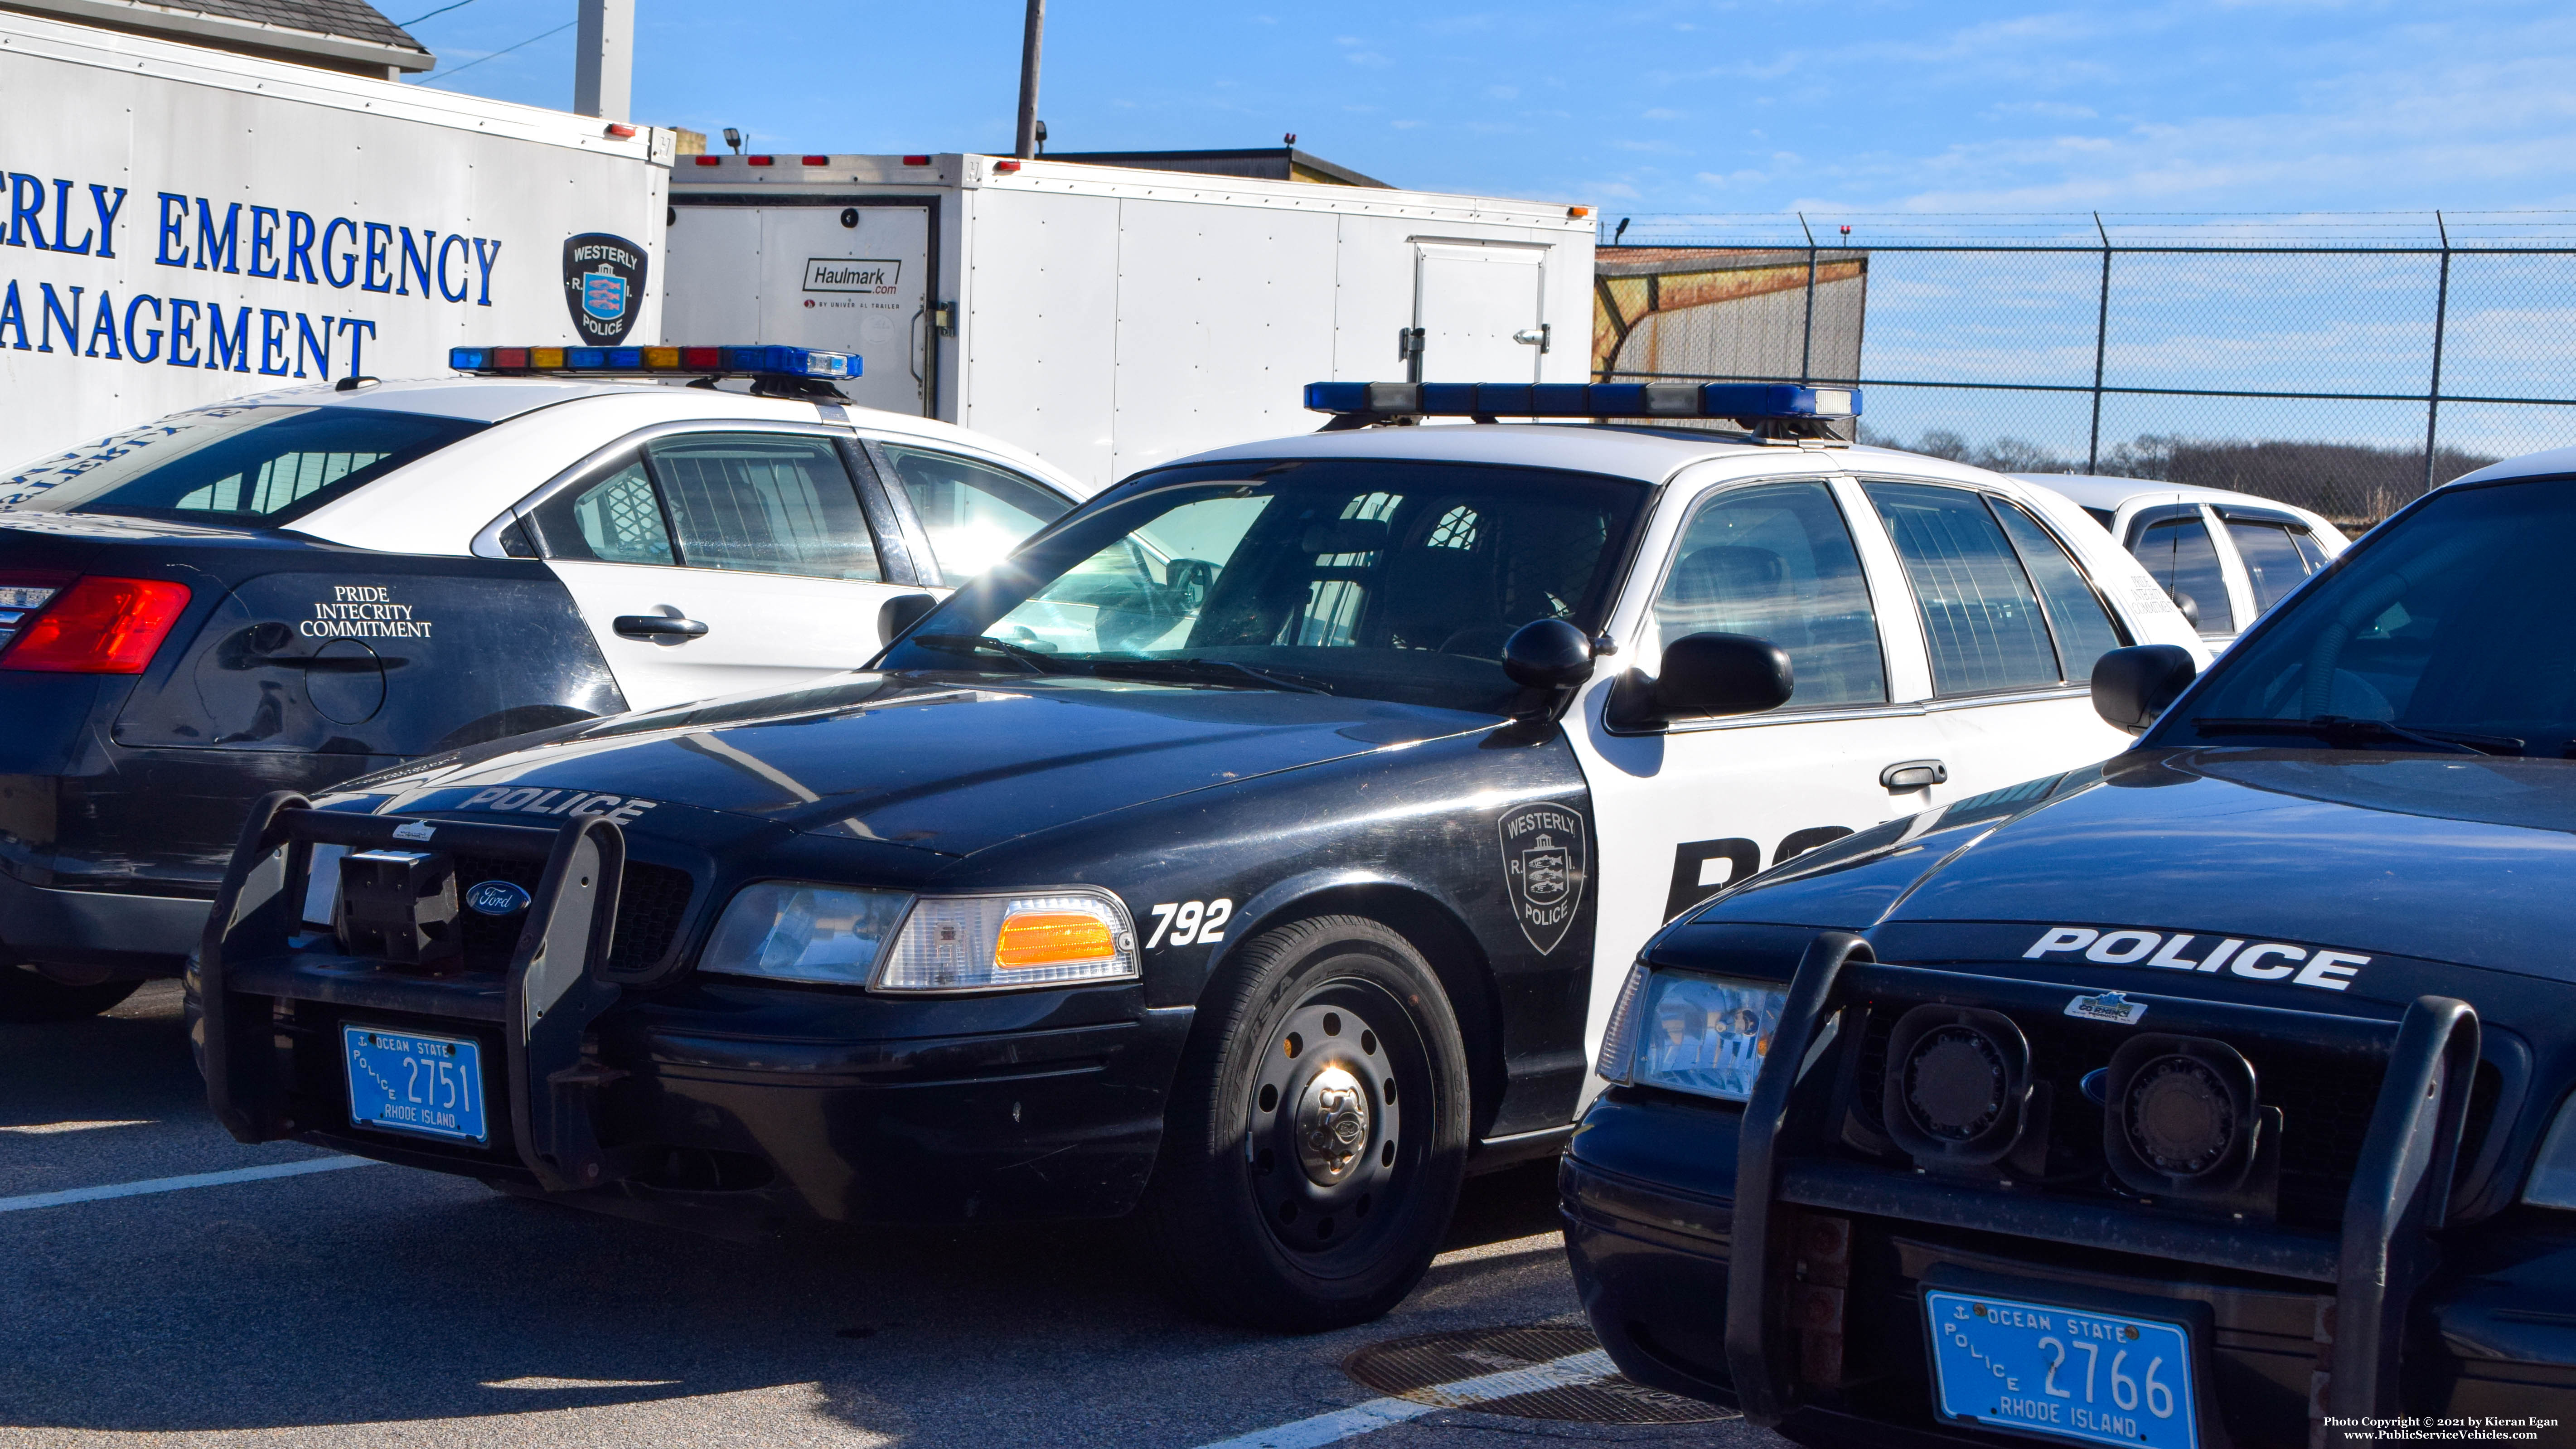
(1748,402)
(756,361)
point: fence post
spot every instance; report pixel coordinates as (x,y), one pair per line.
(2101,336)
(1807,346)
(2441,320)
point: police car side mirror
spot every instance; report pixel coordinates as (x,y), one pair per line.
(1706,675)
(2134,685)
(900,613)
(1548,654)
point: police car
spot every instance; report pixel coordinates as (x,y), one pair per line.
(291,589)
(2216,1095)
(2224,557)
(1241,850)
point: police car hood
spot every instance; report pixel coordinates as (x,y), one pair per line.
(2438,857)
(939,766)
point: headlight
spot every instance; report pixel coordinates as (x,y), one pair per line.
(1701,1034)
(797,931)
(985,943)
(2553,1174)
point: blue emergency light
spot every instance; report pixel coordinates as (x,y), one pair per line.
(1750,403)
(755,361)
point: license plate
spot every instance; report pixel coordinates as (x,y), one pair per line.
(405,1081)
(2068,1373)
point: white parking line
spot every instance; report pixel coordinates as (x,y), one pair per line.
(47,1129)
(1571,1371)
(177,1184)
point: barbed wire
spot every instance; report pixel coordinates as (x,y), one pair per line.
(2516,229)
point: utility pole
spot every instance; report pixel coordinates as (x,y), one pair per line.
(1027,145)
(603,73)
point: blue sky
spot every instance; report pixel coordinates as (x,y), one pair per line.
(1858,107)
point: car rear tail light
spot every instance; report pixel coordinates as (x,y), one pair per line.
(98,626)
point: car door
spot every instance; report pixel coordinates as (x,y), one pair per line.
(970,512)
(716,561)
(1688,808)
(2175,544)
(2278,552)
(2011,627)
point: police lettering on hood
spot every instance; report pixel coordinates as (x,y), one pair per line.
(604,286)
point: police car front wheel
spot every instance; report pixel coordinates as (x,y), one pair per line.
(1318,1131)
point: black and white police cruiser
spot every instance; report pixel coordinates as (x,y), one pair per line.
(287,590)
(2215,1095)
(1240,850)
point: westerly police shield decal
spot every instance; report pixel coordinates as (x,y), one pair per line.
(1543,861)
(604,286)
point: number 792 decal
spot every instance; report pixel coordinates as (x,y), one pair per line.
(1190,922)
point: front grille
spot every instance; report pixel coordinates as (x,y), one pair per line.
(652,904)
(2326,1099)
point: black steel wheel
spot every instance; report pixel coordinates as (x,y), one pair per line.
(26,996)
(1317,1133)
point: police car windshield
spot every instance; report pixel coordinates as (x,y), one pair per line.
(1383,580)
(252,464)
(2450,632)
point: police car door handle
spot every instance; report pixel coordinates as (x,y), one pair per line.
(1907,775)
(658,626)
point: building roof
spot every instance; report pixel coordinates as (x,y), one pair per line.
(1262,163)
(346,35)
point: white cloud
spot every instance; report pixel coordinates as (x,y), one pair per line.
(1663,113)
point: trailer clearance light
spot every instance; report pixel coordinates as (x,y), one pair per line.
(710,160)
(98,626)
(818,160)
(751,361)
(1750,403)
(916,160)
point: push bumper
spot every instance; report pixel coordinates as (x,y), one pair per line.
(1669,1202)
(720,1107)
(98,935)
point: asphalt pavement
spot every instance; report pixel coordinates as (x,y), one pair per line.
(378,1305)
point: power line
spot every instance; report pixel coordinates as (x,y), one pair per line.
(496,55)
(441,10)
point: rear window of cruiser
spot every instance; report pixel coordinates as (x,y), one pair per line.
(243,464)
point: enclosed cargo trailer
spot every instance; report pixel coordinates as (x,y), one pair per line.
(1109,318)
(196,224)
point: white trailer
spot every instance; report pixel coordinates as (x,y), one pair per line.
(191,225)
(1106,318)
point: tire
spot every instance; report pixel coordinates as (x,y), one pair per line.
(26,996)
(1317,1132)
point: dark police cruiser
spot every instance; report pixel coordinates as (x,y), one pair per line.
(2216,1095)
(1241,849)
(290,589)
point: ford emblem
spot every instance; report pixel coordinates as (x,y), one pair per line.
(497,898)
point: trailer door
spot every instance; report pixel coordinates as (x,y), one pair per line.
(849,274)
(1480,311)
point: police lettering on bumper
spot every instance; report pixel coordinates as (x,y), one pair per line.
(2256,960)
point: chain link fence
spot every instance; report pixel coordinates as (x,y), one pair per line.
(2341,362)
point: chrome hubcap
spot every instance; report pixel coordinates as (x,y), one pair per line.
(1332,1125)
